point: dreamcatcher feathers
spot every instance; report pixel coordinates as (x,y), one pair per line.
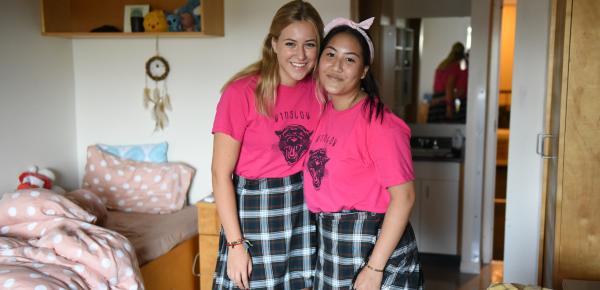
(159,103)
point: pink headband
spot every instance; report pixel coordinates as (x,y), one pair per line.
(365,25)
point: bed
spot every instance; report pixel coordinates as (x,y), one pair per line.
(126,228)
(54,241)
(146,202)
(70,241)
(165,246)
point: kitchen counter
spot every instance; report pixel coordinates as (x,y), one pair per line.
(436,159)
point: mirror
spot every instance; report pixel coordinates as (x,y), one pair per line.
(443,73)
(411,39)
(433,63)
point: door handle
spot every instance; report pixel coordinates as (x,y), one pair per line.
(540,147)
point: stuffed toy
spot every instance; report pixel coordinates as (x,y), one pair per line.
(174,22)
(155,21)
(35,177)
(187,21)
(189,15)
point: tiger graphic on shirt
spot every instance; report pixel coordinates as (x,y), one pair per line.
(316,166)
(294,141)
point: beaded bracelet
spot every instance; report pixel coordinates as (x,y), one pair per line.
(241,241)
(373,269)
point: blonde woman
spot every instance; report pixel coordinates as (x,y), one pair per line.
(262,129)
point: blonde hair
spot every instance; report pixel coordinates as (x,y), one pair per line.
(267,68)
(456,53)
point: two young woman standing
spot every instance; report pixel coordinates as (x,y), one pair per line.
(354,170)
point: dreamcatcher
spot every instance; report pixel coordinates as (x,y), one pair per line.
(157,69)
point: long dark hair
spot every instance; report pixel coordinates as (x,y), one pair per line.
(373,105)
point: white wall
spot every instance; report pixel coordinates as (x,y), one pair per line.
(438,36)
(109,78)
(431,8)
(37,103)
(524,176)
(474,144)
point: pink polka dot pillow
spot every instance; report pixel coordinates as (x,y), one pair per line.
(132,186)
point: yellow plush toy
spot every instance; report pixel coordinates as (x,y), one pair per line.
(155,21)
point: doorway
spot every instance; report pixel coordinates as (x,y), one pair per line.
(507,46)
(472,226)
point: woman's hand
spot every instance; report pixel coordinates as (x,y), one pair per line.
(239,266)
(368,279)
(226,151)
(394,224)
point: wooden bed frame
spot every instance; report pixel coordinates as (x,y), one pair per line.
(173,271)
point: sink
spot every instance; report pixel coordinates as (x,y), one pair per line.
(439,153)
(433,149)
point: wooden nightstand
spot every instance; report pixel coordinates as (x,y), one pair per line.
(209,228)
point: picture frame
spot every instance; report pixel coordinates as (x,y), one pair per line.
(129,11)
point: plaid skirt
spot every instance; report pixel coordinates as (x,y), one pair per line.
(275,219)
(437,112)
(346,240)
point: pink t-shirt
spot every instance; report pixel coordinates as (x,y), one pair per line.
(270,147)
(442,75)
(352,162)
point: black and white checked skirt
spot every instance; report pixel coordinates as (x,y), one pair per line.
(346,240)
(274,218)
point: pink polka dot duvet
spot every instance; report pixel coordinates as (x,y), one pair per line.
(50,241)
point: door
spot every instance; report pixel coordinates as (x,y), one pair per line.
(576,226)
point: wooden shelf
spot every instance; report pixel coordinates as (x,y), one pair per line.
(75,18)
(127,34)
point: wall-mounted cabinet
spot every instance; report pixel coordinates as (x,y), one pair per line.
(396,63)
(403,70)
(435,214)
(76,18)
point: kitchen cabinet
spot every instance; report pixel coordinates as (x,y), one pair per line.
(435,215)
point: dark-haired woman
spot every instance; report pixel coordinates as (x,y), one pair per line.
(358,176)
(262,130)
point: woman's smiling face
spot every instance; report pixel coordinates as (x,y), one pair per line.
(296,49)
(341,66)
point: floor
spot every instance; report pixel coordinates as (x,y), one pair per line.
(442,273)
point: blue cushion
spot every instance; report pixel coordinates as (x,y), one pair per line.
(155,153)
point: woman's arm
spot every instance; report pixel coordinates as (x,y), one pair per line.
(226,151)
(450,86)
(394,224)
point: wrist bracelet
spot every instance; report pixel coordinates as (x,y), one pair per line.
(241,241)
(373,269)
